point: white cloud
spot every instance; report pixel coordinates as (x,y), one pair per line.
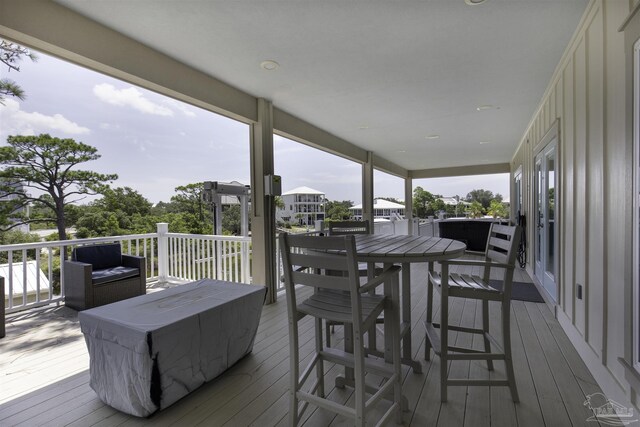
(130,97)
(18,122)
(185,109)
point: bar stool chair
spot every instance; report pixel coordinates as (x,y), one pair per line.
(501,251)
(341,299)
(348,228)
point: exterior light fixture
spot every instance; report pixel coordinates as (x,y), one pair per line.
(269,65)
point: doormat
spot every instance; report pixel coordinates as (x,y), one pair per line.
(520,291)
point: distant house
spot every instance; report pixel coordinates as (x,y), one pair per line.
(382,209)
(450,201)
(302,205)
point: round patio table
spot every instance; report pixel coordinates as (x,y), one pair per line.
(397,249)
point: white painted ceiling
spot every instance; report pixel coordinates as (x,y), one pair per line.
(382,74)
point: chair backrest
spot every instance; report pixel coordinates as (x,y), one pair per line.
(307,259)
(502,247)
(99,256)
(343,228)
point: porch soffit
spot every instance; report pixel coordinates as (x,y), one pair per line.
(364,77)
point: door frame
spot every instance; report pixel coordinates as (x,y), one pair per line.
(636,208)
(551,136)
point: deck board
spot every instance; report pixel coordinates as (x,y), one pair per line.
(45,378)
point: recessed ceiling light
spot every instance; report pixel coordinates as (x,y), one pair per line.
(363,128)
(487,107)
(474,2)
(485,142)
(269,65)
(432,136)
(401,151)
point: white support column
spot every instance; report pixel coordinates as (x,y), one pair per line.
(263,230)
(367,189)
(163,252)
(408,203)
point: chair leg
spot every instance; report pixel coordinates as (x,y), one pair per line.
(328,332)
(397,361)
(506,339)
(429,318)
(444,332)
(359,383)
(294,374)
(485,328)
(319,363)
(348,347)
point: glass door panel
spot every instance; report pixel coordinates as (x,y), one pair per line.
(546,230)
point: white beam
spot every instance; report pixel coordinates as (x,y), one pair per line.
(461,171)
(367,189)
(408,203)
(263,232)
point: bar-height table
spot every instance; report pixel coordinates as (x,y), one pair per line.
(397,249)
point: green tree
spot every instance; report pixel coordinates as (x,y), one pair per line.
(483,196)
(124,199)
(231,220)
(47,165)
(422,202)
(12,237)
(197,214)
(437,205)
(278,202)
(10,55)
(119,211)
(497,209)
(475,209)
(337,211)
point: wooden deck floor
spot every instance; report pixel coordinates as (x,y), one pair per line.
(44,377)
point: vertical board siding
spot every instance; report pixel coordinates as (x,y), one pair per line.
(587,94)
(579,193)
(615,190)
(567,140)
(594,181)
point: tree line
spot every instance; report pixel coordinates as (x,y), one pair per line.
(476,204)
(42,185)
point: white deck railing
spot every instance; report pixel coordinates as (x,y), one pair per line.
(193,257)
(34,272)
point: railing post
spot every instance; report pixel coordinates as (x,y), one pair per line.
(163,252)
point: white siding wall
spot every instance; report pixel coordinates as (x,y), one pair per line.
(587,95)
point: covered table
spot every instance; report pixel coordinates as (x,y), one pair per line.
(149,351)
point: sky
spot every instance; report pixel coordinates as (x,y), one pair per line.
(155,143)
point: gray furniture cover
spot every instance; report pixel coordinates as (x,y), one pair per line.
(149,351)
